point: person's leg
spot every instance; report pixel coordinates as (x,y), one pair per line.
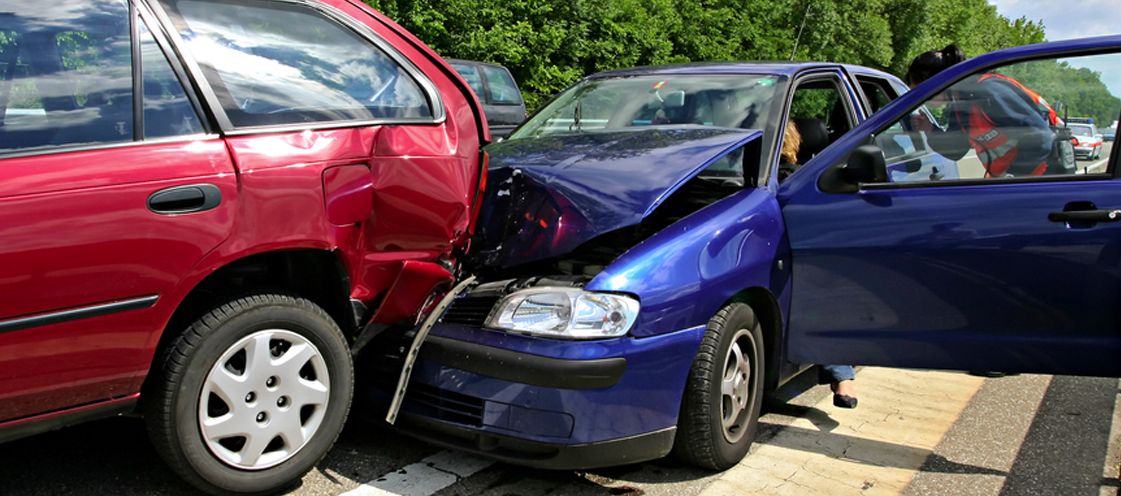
(832,374)
(840,379)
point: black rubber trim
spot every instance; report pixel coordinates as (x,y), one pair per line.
(65,420)
(524,368)
(512,450)
(21,323)
(992,181)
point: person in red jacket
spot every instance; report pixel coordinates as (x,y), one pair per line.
(1010,126)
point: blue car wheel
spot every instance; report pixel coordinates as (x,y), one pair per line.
(720,410)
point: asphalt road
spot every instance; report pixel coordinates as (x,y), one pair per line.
(914,433)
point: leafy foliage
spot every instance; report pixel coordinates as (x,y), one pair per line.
(549,44)
(1079,90)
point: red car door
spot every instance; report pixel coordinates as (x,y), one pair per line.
(110,190)
(301,88)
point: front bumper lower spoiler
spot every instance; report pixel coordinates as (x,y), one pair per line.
(636,449)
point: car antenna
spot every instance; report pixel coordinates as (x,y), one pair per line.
(798,39)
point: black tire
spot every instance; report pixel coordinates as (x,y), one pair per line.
(171,403)
(701,434)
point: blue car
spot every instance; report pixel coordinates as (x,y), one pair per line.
(647,273)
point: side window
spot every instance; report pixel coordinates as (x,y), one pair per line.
(818,116)
(470,73)
(65,80)
(276,63)
(1008,122)
(877,92)
(503,90)
(167,111)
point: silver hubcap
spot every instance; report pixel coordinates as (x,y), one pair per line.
(264,399)
(735,387)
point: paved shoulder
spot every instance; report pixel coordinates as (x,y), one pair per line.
(876,448)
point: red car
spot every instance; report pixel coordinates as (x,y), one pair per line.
(203,206)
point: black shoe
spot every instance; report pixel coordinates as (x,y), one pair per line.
(844,401)
(990,374)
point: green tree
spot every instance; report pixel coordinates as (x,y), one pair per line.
(549,44)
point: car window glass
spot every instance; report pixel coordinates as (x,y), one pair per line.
(167,111)
(471,74)
(503,90)
(64,80)
(1082,130)
(1009,122)
(620,102)
(876,92)
(275,63)
(822,100)
(819,115)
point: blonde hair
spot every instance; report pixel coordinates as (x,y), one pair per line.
(791,142)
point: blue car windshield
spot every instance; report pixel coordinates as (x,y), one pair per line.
(735,101)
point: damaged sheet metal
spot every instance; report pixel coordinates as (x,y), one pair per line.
(551,194)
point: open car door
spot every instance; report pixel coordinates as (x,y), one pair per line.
(1012,264)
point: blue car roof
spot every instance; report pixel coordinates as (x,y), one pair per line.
(760,68)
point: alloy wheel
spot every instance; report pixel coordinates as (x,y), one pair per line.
(735,386)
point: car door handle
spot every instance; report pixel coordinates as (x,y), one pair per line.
(185,199)
(1087,216)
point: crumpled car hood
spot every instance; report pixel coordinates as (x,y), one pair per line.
(547,196)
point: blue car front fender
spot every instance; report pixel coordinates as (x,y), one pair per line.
(684,274)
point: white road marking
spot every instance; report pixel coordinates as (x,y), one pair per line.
(425,477)
(1113,457)
(1092,168)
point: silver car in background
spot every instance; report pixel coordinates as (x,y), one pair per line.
(1087,141)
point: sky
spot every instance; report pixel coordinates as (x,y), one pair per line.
(1079,19)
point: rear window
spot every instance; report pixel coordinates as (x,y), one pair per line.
(878,93)
(471,74)
(503,90)
(275,63)
(1081,130)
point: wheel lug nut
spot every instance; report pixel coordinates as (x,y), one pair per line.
(251,397)
(282,401)
(270,382)
(261,417)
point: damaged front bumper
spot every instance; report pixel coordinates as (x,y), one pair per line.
(545,402)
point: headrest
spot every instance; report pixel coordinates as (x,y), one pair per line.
(815,137)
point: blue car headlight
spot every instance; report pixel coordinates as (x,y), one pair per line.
(565,313)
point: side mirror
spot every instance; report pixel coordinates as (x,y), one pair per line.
(866,164)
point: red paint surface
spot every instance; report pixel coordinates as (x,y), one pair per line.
(415,282)
(75,231)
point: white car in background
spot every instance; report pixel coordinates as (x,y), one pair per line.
(1087,141)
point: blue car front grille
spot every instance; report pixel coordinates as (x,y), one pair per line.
(470,310)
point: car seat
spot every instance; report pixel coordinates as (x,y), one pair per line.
(815,137)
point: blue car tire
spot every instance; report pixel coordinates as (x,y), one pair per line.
(723,396)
